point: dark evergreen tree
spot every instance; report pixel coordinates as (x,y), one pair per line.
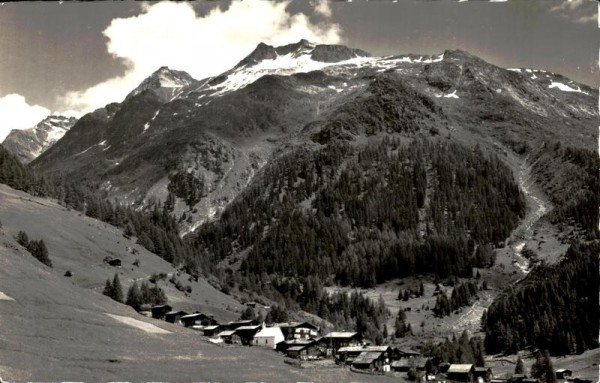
(134,297)
(519,366)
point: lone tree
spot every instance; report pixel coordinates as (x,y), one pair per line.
(519,367)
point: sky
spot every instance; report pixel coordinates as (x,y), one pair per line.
(73,57)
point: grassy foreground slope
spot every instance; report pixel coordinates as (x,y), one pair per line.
(63,329)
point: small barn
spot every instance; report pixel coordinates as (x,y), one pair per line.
(371,360)
(268,337)
(211,330)
(483,374)
(198,319)
(283,346)
(347,355)
(236,324)
(246,334)
(226,336)
(461,372)
(304,352)
(174,316)
(401,365)
(563,373)
(159,312)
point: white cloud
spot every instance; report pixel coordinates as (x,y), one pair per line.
(172,34)
(322,8)
(579,11)
(16,113)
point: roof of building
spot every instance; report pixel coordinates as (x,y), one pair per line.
(297,324)
(194,315)
(367,357)
(564,370)
(341,335)
(299,342)
(211,327)
(247,328)
(242,322)
(161,307)
(460,368)
(351,349)
(401,363)
(176,312)
(377,348)
(297,348)
(268,332)
(226,333)
(407,351)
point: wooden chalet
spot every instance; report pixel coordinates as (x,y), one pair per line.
(461,372)
(299,330)
(405,364)
(304,352)
(336,340)
(347,355)
(246,334)
(159,312)
(283,346)
(484,374)
(175,316)
(399,353)
(268,337)
(236,324)
(227,336)
(211,330)
(401,365)
(372,361)
(198,319)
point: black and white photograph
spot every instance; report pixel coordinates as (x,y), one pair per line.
(300,191)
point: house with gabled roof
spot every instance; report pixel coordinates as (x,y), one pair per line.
(461,372)
(336,340)
(268,337)
(298,330)
(372,361)
(198,319)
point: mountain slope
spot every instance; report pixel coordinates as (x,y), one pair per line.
(28,144)
(221,130)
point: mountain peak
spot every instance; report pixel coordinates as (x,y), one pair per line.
(317,52)
(164,82)
(29,143)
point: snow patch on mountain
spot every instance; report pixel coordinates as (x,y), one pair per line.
(566,88)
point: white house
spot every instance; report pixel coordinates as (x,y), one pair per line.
(268,337)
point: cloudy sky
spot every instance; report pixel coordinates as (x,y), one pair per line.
(73,57)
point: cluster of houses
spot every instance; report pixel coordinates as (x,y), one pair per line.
(301,341)
(297,340)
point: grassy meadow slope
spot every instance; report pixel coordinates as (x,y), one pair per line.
(80,244)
